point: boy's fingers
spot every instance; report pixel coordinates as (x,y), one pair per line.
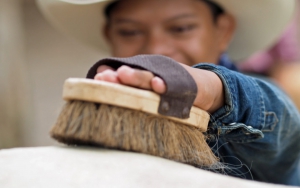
(108,75)
(134,77)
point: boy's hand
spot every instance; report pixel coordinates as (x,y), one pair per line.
(210,94)
(132,77)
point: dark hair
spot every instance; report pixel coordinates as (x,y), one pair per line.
(109,8)
(216,9)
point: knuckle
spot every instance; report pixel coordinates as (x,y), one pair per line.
(103,68)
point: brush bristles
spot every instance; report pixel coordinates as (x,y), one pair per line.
(86,123)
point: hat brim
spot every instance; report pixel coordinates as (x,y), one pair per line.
(259,23)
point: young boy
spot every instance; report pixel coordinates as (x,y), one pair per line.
(256,127)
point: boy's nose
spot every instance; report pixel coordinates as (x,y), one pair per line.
(158,44)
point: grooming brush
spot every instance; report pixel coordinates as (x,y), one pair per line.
(116,116)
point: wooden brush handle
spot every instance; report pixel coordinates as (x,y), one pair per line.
(127,97)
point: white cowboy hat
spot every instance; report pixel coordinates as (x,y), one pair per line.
(259,22)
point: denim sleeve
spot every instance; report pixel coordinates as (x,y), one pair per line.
(259,125)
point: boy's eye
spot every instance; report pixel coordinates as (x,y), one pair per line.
(182,29)
(128,32)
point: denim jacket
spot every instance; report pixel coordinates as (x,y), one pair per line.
(256,133)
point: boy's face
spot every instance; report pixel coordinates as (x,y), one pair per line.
(180,29)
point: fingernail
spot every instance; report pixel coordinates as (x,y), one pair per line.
(158,80)
(99,76)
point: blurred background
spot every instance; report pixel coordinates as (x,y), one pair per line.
(35,59)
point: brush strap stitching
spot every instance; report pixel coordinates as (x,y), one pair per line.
(181,87)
